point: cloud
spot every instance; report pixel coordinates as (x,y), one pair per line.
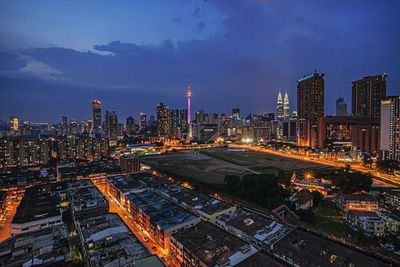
(41,70)
(177,20)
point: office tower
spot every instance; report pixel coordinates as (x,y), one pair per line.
(390,128)
(85,127)
(341,107)
(310,107)
(143,120)
(183,119)
(286,113)
(111,123)
(189,95)
(96,117)
(163,120)
(130,125)
(64,124)
(279,107)
(367,94)
(174,122)
(200,116)
(236,113)
(14,123)
(152,119)
(73,126)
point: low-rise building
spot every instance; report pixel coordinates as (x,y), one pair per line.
(208,208)
(302,200)
(107,241)
(37,210)
(207,245)
(368,221)
(392,198)
(358,202)
(44,247)
(119,186)
(158,216)
(392,221)
(304,249)
(86,200)
(261,230)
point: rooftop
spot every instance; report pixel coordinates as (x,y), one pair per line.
(213,245)
(125,184)
(86,198)
(316,251)
(110,241)
(359,198)
(51,242)
(161,211)
(260,227)
(36,206)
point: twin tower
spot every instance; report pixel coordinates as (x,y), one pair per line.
(282,108)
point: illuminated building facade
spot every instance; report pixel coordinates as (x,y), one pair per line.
(279,107)
(163,120)
(236,113)
(96,117)
(82,147)
(367,94)
(183,120)
(286,112)
(189,95)
(390,128)
(143,120)
(310,107)
(14,123)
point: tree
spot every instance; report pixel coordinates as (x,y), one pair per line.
(317,198)
(349,183)
(306,215)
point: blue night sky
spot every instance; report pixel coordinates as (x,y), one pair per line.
(55,56)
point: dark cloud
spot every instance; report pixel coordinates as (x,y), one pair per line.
(177,20)
(201,25)
(11,61)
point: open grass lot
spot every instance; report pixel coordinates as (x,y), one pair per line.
(211,166)
(195,166)
(263,162)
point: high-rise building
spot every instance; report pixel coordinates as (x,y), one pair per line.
(279,107)
(130,164)
(64,124)
(143,120)
(174,122)
(111,125)
(14,123)
(236,113)
(183,119)
(286,112)
(269,116)
(163,120)
(390,128)
(96,117)
(130,125)
(189,95)
(310,107)
(341,107)
(367,94)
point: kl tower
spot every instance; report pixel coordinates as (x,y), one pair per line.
(189,94)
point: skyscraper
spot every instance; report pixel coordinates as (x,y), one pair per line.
(64,122)
(163,120)
(130,125)
(310,107)
(390,128)
(96,117)
(236,113)
(14,123)
(367,94)
(279,107)
(286,113)
(111,123)
(189,95)
(143,120)
(341,107)
(183,119)
(174,122)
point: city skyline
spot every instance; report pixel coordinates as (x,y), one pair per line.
(208,43)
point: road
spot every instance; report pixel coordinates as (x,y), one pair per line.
(5,219)
(380,179)
(138,231)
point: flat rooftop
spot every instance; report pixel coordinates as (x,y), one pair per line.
(197,200)
(86,198)
(213,245)
(98,166)
(262,228)
(51,242)
(315,251)
(110,241)
(125,184)
(161,211)
(36,206)
(80,183)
